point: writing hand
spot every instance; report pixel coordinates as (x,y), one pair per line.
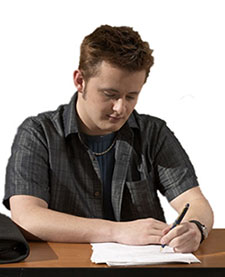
(184,238)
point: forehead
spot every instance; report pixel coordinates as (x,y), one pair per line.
(111,75)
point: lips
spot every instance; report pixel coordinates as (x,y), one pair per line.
(115,118)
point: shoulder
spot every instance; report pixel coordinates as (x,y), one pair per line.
(45,121)
(146,123)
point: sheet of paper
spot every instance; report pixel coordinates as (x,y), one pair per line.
(115,254)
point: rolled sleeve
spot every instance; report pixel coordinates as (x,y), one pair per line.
(175,171)
(27,170)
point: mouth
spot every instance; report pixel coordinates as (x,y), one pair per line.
(115,118)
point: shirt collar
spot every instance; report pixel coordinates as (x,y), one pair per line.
(71,122)
(132,123)
(70,117)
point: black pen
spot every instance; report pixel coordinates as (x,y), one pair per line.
(179,219)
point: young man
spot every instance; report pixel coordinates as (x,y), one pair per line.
(90,171)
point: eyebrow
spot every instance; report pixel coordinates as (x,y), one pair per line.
(116,91)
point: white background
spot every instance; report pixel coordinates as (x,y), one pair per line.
(39,49)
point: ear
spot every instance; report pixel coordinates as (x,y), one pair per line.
(78,80)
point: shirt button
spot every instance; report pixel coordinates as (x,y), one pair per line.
(97,194)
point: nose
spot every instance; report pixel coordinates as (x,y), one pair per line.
(119,106)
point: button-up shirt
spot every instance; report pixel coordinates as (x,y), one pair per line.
(49,161)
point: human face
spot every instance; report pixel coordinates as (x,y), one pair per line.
(106,101)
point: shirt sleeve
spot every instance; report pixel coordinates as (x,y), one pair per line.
(173,167)
(27,169)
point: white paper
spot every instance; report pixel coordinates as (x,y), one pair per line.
(115,254)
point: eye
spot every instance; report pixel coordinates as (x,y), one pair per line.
(109,95)
(129,97)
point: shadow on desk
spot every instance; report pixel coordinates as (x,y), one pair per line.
(47,253)
(212,251)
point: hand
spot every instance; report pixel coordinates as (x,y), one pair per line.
(139,232)
(183,238)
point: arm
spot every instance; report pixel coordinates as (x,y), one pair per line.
(33,215)
(186,237)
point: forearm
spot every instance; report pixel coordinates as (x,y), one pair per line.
(200,208)
(49,225)
(34,216)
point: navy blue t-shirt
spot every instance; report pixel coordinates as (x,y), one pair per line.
(106,162)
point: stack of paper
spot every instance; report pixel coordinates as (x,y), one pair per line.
(115,254)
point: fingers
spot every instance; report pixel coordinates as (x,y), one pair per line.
(173,234)
(166,230)
(182,238)
(150,231)
(140,232)
(155,226)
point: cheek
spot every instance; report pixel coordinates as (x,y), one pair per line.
(131,107)
(105,107)
(102,110)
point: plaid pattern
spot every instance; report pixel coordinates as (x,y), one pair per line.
(49,161)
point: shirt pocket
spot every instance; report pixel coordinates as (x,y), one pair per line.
(141,200)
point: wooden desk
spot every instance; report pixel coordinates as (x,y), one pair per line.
(66,259)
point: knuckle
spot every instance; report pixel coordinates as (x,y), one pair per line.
(192,232)
(175,243)
(150,221)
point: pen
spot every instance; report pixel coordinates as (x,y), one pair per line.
(179,219)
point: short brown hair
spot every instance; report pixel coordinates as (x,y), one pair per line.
(120,46)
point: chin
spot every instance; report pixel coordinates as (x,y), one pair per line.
(114,128)
(108,127)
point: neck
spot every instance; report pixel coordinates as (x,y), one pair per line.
(84,125)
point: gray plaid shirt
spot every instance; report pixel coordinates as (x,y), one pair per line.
(49,161)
